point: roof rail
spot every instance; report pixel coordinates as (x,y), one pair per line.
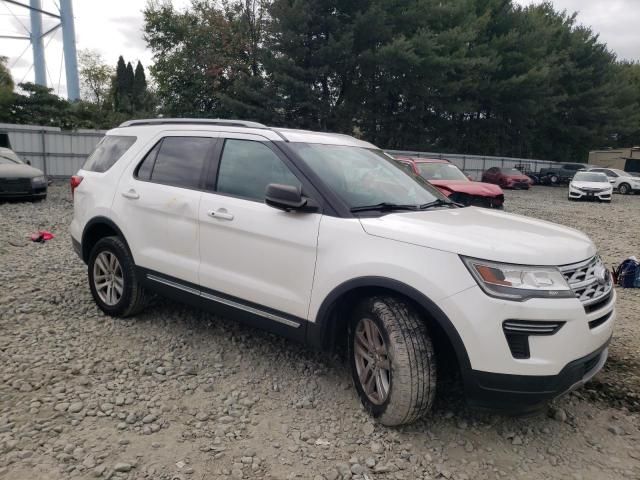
(193,121)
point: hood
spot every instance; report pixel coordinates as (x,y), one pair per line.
(471,188)
(19,170)
(591,185)
(486,234)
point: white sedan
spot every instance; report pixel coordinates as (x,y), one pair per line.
(590,186)
(622,181)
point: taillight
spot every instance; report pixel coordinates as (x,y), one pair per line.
(75,181)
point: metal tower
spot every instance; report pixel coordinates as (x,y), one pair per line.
(65,16)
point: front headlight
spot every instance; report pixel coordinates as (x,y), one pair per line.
(518,282)
(39,180)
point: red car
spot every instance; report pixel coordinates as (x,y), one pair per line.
(448,178)
(507,178)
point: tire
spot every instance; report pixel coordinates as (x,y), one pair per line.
(624,189)
(405,347)
(133,297)
(554,179)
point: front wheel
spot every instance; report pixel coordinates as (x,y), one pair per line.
(392,360)
(112,279)
(624,189)
(554,179)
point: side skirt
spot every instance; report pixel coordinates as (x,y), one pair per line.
(251,314)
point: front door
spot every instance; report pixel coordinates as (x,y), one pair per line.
(250,252)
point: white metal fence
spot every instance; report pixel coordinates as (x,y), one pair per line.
(61,153)
(57,153)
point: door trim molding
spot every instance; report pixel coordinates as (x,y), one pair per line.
(217,297)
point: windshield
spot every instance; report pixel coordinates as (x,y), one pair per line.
(361,176)
(590,177)
(440,171)
(512,171)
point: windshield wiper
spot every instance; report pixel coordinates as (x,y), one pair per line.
(384,206)
(437,203)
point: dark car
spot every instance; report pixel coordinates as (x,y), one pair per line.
(560,173)
(19,180)
(507,177)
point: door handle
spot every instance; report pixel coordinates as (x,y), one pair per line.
(132,194)
(221,214)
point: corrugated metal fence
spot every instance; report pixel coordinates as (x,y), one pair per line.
(56,152)
(61,153)
(474,165)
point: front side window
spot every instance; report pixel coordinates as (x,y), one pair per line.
(179,161)
(247,167)
(362,176)
(108,152)
(441,171)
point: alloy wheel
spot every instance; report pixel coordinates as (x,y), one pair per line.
(108,278)
(372,361)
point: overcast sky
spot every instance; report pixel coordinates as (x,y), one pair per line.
(114,27)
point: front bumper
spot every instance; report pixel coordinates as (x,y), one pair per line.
(522,394)
(585,195)
(20,188)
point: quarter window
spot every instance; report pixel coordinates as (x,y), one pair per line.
(108,152)
(247,167)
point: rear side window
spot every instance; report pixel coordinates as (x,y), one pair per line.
(178,161)
(108,152)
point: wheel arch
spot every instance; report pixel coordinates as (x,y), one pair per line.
(329,328)
(94,230)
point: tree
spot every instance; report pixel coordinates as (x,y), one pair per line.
(120,91)
(6,84)
(139,90)
(95,77)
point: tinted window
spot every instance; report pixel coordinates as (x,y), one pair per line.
(144,169)
(573,167)
(590,177)
(247,167)
(108,152)
(181,160)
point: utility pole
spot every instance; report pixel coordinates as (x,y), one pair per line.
(37,44)
(69,45)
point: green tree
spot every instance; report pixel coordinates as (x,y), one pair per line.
(95,77)
(139,90)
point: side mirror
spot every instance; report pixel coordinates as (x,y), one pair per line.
(28,162)
(287,198)
(470,177)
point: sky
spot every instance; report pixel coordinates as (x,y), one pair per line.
(114,27)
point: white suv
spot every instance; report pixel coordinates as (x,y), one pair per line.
(623,182)
(327,240)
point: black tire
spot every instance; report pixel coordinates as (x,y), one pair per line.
(554,179)
(624,189)
(134,297)
(410,356)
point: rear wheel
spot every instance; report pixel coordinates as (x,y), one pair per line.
(392,360)
(112,279)
(624,188)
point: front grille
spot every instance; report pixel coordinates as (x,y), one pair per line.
(15,185)
(590,281)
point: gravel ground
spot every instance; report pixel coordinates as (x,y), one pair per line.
(177,394)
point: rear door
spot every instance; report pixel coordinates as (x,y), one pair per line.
(253,254)
(158,201)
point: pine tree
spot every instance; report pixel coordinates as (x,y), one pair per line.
(120,96)
(139,91)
